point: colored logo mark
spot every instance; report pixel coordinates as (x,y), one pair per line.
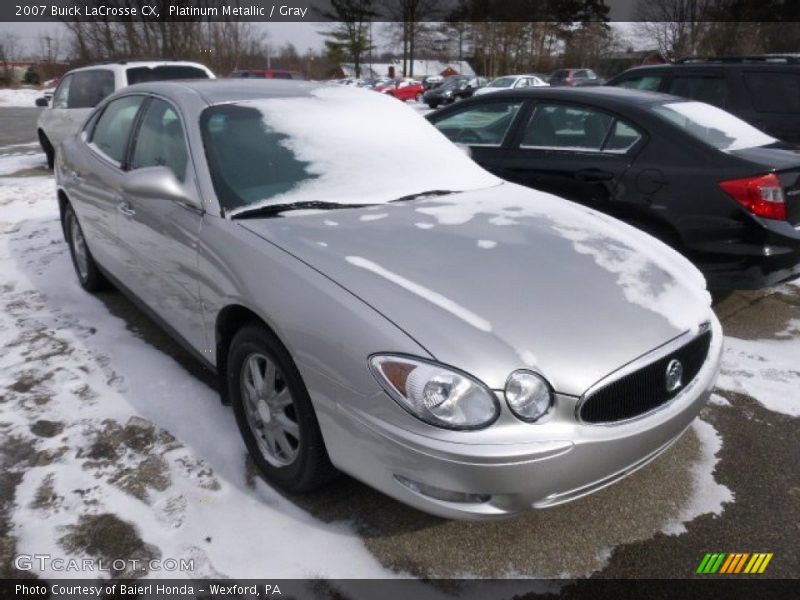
(734,563)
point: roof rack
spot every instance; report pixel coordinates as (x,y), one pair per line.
(788,59)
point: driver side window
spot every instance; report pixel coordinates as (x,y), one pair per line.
(160,141)
(480,125)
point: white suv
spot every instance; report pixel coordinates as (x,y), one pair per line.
(82,89)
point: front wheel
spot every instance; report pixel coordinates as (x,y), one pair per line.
(274,412)
(89,275)
(433,105)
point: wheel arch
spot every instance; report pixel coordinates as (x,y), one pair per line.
(229,320)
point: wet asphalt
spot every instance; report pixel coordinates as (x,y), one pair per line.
(618,527)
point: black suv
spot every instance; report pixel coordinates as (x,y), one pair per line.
(762,90)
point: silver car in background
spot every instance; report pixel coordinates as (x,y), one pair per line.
(470,347)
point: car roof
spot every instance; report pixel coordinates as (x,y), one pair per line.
(140,63)
(600,95)
(220,91)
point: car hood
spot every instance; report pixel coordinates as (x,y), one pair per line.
(504,278)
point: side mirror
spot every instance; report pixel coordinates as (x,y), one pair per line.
(42,102)
(155,183)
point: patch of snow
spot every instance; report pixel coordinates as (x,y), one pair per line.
(708,496)
(373,217)
(20,97)
(487,244)
(88,372)
(425,225)
(12,163)
(767,370)
(433,297)
(650,273)
(718,400)
(405,154)
(330,223)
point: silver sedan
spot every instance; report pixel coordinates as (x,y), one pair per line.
(374,302)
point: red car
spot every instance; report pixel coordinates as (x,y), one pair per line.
(405,90)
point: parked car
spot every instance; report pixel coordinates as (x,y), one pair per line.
(406,90)
(452,89)
(762,90)
(720,191)
(432,81)
(511,82)
(81,89)
(470,347)
(267,74)
(574,78)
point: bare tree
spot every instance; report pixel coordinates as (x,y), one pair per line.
(676,26)
(412,15)
(10,49)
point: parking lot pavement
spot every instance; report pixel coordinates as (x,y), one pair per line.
(115,445)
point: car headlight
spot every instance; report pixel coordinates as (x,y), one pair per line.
(448,93)
(434,393)
(528,395)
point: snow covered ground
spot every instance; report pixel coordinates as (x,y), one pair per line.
(21,97)
(107,433)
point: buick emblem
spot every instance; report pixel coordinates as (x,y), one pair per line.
(674,375)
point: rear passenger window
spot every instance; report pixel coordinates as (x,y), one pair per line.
(623,137)
(774,92)
(88,88)
(160,141)
(712,90)
(568,128)
(110,135)
(480,124)
(649,83)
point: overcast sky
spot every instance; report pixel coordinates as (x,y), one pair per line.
(303,35)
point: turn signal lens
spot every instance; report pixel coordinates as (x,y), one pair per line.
(528,395)
(435,394)
(762,195)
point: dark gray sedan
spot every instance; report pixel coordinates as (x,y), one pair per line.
(471,347)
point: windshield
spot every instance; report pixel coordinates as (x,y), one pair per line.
(713,125)
(503,82)
(330,146)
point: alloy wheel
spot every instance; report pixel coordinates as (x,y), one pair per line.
(270,410)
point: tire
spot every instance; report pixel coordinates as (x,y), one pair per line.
(89,275)
(295,460)
(48,149)
(433,105)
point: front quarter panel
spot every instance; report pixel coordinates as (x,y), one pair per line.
(329,332)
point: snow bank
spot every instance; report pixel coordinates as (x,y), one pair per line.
(21,97)
(767,370)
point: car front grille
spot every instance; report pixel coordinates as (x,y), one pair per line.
(645,389)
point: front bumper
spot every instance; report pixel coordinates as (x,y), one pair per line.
(564,460)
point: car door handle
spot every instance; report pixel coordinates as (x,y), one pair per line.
(594,175)
(126,209)
(76,175)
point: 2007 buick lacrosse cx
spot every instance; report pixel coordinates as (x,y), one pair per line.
(374,302)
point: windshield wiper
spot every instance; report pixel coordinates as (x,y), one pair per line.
(424,194)
(272,210)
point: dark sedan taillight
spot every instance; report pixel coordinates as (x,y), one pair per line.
(761,195)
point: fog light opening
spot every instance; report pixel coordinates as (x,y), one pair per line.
(441,494)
